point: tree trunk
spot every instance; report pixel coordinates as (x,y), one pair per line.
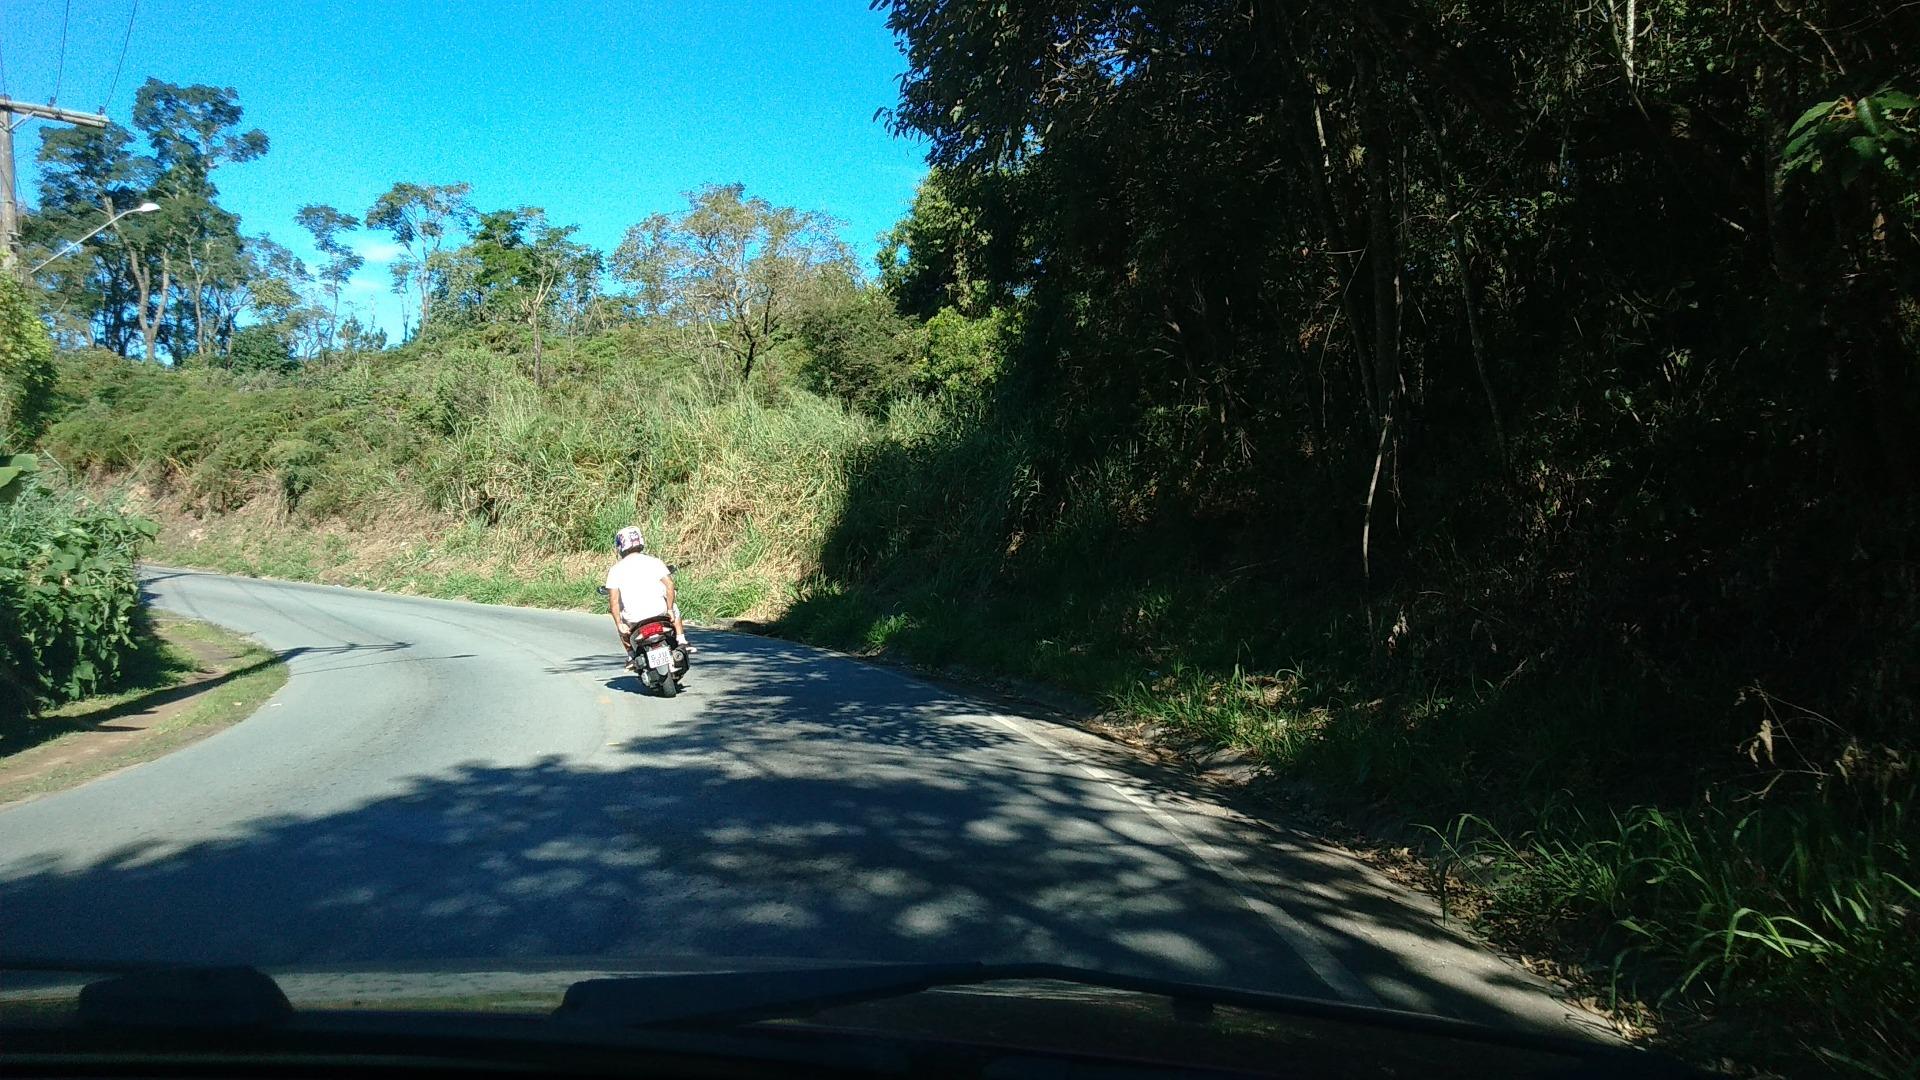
(199,317)
(539,366)
(1383,257)
(141,286)
(150,306)
(1383,247)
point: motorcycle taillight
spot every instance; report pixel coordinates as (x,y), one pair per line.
(652,629)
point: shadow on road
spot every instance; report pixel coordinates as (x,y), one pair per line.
(789,820)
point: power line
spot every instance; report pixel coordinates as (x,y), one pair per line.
(132,10)
(60,72)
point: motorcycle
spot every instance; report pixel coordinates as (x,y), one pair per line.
(654,650)
(657,656)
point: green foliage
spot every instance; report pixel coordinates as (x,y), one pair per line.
(443,431)
(1873,138)
(939,255)
(68,598)
(857,347)
(732,265)
(172,282)
(18,472)
(423,219)
(965,355)
(260,347)
(27,375)
(1801,911)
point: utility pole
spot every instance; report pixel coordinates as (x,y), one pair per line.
(9,208)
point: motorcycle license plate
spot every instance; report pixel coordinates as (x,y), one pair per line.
(659,657)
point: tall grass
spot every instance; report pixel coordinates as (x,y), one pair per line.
(451,451)
(1804,913)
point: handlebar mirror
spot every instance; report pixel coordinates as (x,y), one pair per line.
(604,591)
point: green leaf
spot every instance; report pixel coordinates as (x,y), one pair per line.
(1818,112)
(1797,148)
(16,475)
(1895,99)
(1871,119)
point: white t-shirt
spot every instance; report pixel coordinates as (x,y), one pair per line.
(641,581)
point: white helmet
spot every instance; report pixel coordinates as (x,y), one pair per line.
(628,539)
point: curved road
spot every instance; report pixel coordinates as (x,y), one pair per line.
(442,780)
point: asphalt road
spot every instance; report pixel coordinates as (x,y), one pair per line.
(443,780)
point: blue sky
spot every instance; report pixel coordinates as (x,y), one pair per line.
(600,112)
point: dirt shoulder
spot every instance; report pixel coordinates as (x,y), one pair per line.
(195,680)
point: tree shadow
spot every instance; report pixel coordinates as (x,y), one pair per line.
(869,818)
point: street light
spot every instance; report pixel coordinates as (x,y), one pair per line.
(143,208)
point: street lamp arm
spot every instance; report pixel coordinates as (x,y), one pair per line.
(71,245)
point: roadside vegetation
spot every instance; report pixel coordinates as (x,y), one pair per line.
(69,605)
(1518,434)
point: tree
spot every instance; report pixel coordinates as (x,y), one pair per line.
(84,174)
(356,337)
(522,265)
(260,347)
(729,265)
(858,348)
(271,281)
(161,278)
(938,255)
(422,219)
(192,130)
(325,224)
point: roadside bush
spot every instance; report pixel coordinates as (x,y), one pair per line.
(68,598)
(27,373)
(858,348)
(260,348)
(964,355)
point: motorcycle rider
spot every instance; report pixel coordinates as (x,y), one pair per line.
(640,587)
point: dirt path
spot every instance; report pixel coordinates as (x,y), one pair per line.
(218,678)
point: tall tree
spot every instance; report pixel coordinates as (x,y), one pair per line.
(193,130)
(939,254)
(85,174)
(529,268)
(423,219)
(326,225)
(730,265)
(161,278)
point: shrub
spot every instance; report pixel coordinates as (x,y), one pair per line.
(68,598)
(27,373)
(857,348)
(964,355)
(260,348)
